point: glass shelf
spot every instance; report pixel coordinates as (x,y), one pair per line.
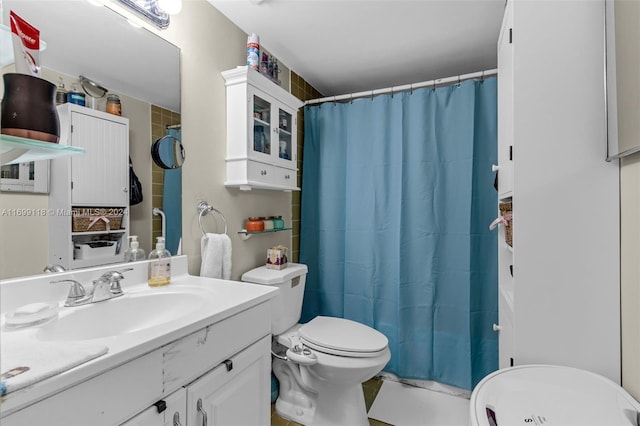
(14,150)
(245,235)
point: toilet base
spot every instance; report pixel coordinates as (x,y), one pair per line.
(322,403)
(335,405)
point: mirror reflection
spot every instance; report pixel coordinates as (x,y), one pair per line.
(102,47)
(168,152)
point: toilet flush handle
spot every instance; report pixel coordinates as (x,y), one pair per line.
(301,355)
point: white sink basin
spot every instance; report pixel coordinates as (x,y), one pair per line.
(133,312)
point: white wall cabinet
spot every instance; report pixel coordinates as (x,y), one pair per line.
(95,185)
(561,304)
(261,132)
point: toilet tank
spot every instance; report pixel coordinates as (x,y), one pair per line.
(286,306)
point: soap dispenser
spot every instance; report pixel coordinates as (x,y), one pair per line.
(159,265)
(134,253)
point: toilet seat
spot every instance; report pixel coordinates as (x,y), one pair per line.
(548,394)
(342,337)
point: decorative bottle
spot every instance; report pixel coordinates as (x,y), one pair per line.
(159,265)
(134,252)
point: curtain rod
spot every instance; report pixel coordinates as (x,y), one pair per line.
(403,88)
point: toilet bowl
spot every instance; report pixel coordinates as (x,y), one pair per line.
(322,363)
(554,395)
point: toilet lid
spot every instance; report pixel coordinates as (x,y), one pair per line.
(554,395)
(343,337)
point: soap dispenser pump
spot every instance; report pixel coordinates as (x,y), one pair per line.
(159,265)
(134,252)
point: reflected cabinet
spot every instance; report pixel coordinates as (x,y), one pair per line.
(89,198)
(261,132)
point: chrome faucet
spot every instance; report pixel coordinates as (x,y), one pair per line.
(104,288)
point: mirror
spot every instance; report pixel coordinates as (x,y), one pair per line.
(168,152)
(138,65)
(623,77)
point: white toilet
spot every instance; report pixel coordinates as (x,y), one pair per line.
(326,360)
(550,395)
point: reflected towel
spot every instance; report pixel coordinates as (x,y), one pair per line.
(43,359)
(216,256)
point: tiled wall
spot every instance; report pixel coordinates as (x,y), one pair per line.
(304,91)
(160,119)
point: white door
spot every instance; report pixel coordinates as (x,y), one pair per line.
(100,177)
(236,392)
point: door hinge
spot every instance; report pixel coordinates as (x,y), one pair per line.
(72,128)
(510,35)
(71,185)
(510,152)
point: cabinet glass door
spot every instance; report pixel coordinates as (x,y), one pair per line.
(261,125)
(285,140)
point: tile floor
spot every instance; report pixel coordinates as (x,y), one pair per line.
(370,388)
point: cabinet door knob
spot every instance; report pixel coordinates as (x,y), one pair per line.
(125,189)
(176,419)
(496,327)
(201,411)
(494,168)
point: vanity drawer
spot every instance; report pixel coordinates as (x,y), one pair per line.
(193,355)
(285,177)
(260,172)
(86,403)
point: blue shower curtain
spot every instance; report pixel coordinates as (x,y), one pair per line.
(397,195)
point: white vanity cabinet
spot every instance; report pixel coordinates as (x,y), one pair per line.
(225,365)
(169,411)
(559,286)
(233,393)
(261,132)
(94,185)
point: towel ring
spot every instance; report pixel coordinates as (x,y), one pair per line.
(203,209)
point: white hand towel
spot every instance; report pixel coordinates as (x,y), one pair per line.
(216,256)
(43,359)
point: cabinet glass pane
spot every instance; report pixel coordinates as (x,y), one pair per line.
(261,125)
(284,131)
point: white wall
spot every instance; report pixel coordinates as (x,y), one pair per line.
(209,44)
(630,271)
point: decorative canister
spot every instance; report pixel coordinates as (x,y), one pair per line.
(113,104)
(254,224)
(29,108)
(76,97)
(268,223)
(278,222)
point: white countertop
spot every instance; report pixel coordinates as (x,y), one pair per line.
(224,298)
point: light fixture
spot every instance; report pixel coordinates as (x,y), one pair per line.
(150,9)
(172,7)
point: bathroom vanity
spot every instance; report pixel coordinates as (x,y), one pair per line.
(194,352)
